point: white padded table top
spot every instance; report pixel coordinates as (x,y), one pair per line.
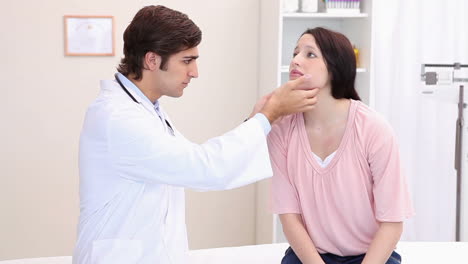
(411,252)
(51,260)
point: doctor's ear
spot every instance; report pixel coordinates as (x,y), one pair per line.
(151,61)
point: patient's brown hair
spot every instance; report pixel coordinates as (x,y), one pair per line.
(339,57)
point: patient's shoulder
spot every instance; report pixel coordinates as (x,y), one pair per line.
(283,128)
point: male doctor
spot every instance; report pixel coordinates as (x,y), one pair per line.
(134,164)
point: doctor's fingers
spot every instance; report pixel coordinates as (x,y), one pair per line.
(310,93)
(307,94)
(301,83)
(309,102)
(307,105)
(304,100)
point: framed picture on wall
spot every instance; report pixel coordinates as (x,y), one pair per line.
(89,35)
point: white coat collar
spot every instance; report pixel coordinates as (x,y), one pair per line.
(136,93)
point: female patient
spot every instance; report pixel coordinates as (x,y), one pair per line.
(337,184)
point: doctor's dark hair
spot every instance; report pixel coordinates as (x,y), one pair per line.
(160,30)
(339,57)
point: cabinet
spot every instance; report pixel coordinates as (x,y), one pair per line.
(279,33)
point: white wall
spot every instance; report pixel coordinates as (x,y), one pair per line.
(45,95)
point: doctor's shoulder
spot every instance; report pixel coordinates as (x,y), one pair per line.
(108,108)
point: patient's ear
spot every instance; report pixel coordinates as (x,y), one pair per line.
(151,61)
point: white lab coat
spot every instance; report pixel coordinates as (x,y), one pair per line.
(133,174)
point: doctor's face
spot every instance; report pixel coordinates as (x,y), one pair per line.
(180,69)
(307,58)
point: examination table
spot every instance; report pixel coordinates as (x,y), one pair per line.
(411,252)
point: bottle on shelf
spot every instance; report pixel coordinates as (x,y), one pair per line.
(356,53)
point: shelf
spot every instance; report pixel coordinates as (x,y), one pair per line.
(323,15)
(285,69)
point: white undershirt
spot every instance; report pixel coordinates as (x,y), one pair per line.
(324,163)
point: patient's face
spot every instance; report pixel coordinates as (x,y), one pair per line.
(307,58)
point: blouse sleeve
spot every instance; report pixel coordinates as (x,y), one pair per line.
(391,195)
(283,194)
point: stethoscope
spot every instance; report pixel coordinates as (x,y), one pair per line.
(133,98)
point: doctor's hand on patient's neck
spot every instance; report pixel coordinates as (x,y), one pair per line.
(292,97)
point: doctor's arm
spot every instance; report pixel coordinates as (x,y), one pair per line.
(141,152)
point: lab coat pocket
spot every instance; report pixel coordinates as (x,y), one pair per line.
(116,251)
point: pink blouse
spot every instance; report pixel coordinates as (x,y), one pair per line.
(342,203)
